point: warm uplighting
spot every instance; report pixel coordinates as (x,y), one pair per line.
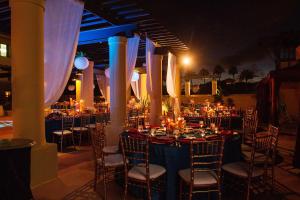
(186,60)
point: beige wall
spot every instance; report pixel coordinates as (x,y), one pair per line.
(240,100)
(6,40)
(290,95)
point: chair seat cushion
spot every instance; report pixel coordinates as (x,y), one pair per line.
(139,172)
(245,147)
(112,160)
(258,157)
(111,149)
(91,126)
(65,132)
(241,169)
(200,178)
(80,129)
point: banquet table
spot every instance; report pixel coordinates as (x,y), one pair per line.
(236,120)
(176,157)
(52,125)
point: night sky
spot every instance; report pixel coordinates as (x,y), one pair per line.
(217,31)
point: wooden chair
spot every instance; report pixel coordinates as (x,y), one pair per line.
(107,165)
(216,120)
(99,118)
(249,130)
(204,174)
(111,149)
(82,129)
(138,170)
(259,157)
(248,171)
(67,124)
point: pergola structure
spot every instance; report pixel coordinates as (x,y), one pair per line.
(104,30)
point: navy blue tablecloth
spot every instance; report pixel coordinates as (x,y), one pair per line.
(175,158)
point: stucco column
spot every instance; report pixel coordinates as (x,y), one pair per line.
(178,91)
(187,87)
(156,96)
(88,86)
(143,86)
(78,83)
(117,66)
(107,89)
(214,87)
(27,40)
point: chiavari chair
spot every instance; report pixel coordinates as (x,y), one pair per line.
(138,170)
(248,173)
(204,174)
(98,119)
(249,130)
(107,165)
(82,129)
(111,149)
(259,157)
(213,120)
(67,124)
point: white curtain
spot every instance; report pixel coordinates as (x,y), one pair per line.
(62,26)
(135,88)
(101,80)
(171,75)
(171,82)
(131,56)
(150,47)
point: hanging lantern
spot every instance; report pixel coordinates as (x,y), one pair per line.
(71,87)
(81,62)
(107,73)
(135,76)
(195,88)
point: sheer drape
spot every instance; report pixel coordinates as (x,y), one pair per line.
(171,82)
(131,56)
(150,47)
(135,88)
(171,75)
(102,83)
(62,25)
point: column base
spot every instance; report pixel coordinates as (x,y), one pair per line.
(43,163)
(112,134)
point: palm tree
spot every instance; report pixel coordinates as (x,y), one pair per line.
(246,75)
(204,73)
(232,71)
(218,70)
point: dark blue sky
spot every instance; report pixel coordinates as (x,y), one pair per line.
(216,29)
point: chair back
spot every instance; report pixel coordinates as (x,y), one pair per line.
(275,133)
(226,122)
(135,151)
(216,120)
(206,156)
(84,120)
(98,142)
(67,122)
(261,144)
(249,127)
(99,118)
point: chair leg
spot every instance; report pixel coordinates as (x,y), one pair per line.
(191,192)
(125,188)
(73,141)
(96,177)
(104,183)
(80,137)
(248,191)
(61,143)
(180,189)
(149,190)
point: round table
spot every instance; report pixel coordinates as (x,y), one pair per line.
(174,158)
(15,168)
